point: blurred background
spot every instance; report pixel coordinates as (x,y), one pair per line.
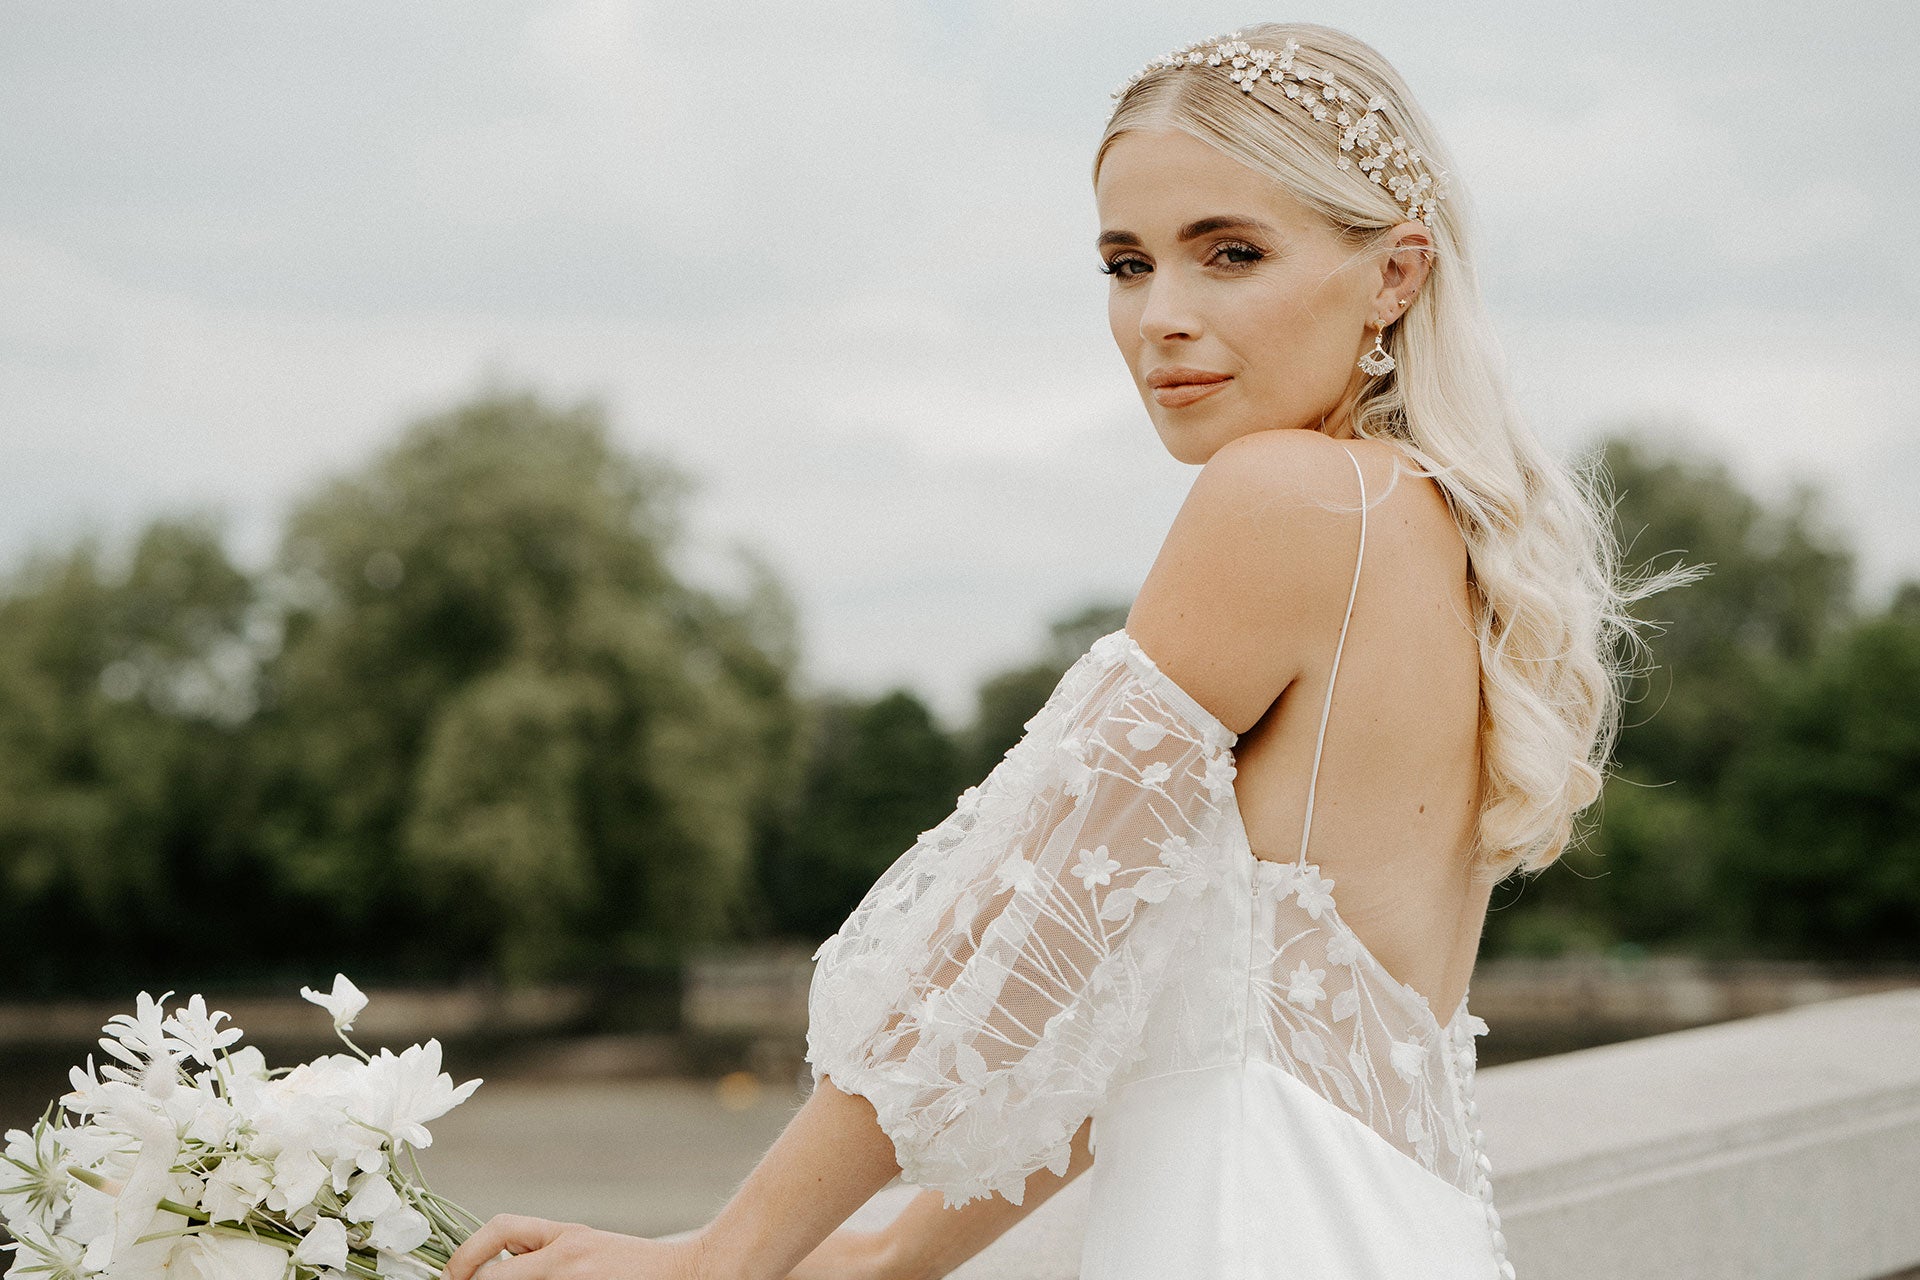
(535,505)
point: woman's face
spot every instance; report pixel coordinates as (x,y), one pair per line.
(1223,282)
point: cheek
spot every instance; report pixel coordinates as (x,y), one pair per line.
(1123,321)
(1287,334)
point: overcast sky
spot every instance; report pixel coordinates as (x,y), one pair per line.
(837,260)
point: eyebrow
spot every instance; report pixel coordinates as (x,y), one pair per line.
(1193,230)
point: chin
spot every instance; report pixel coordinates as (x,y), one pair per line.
(1186,449)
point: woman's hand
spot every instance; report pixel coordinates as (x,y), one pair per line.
(546,1250)
(849,1255)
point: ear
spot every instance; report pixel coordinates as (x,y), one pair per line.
(1406,255)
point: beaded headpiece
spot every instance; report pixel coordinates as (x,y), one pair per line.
(1325,99)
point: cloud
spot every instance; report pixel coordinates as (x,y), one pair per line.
(837,259)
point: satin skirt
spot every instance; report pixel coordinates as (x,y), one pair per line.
(1243,1172)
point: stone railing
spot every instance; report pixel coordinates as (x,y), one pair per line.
(1784,1146)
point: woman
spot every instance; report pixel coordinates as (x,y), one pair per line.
(1125,938)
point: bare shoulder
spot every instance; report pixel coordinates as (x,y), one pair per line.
(1303,485)
(1256,564)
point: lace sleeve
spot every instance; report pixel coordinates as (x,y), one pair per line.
(992,981)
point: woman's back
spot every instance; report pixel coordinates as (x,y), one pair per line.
(1395,797)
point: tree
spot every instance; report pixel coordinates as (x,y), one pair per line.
(1781,583)
(1779,589)
(500,725)
(1823,805)
(125,683)
(878,772)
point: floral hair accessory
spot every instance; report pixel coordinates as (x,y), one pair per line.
(1325,99)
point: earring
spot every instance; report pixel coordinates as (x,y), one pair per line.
(1377,362)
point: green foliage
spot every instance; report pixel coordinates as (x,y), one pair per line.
(1761,777)
(499,722)
(1823,808)
(121,690)
(1780,584)
(470,720)
(878,773)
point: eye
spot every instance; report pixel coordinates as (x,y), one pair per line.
(1222,255)
(1253,255)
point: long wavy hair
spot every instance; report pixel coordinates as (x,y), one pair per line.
(1550,602)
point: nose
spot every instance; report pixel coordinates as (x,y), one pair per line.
(1169,311)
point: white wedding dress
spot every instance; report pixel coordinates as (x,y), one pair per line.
(1090,934)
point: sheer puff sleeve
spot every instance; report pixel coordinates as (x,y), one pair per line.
(989,985)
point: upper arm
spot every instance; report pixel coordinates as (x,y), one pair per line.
(1245,591)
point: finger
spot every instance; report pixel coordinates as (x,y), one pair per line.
(512,1232)
(536,1264)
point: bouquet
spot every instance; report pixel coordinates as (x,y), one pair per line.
(186,1158)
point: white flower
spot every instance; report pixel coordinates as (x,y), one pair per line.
(135,1038)
(137,1261)
(397,1225)
(325,1245)
(1314,891)
(1220,774)
(40,1251)
(235,1188)
(345,1002)
(126,1111)
(197,1031)
(1303,986)
(1342,947)
(1409,1059)
(404,1093)
(33,1180)
(1155,774)
(1095,867)
(204,1257)
(1017,874)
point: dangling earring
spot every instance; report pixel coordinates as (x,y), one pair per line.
(1378,361)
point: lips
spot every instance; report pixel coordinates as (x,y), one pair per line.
(1175,386)
(1180,394)
(1179,375)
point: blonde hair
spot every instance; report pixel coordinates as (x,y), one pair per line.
(1550,606)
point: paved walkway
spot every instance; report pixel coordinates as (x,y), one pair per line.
(648,1157)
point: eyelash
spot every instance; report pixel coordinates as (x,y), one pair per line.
(1113,268)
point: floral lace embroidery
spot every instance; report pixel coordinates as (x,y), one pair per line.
(987,989)
(1323,1009)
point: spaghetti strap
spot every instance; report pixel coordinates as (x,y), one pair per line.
(1306,829)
